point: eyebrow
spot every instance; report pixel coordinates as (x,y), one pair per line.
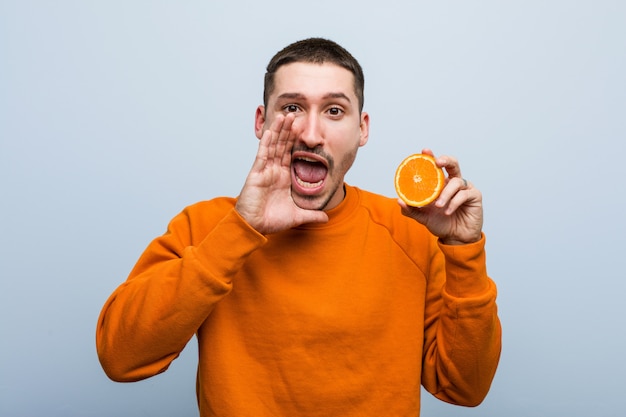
(299,96)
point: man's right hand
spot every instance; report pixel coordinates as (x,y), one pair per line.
(265,201)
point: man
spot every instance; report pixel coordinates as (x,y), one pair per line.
(310,297)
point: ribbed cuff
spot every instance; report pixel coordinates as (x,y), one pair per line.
(466,269)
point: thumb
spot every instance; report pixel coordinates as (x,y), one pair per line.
(414,213)
(312,216)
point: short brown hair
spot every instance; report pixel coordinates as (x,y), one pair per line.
(315,51)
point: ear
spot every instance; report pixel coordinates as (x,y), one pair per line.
(365,128)
(259,121)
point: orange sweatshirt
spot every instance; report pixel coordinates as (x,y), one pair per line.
(345,318)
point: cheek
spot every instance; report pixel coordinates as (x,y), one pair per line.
(348,141)
(346,159)
(342,142)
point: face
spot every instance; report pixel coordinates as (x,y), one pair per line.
(328,129)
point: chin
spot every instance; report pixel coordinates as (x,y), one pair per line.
(311,202)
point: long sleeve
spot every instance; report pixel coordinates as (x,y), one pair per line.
(177,281)
(463,333)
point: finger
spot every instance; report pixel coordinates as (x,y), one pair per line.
(450,164)
(275,131)
(453,187)
(312,216)
(427,151)
(267,144)
(285,141)
(262,154)
(415,213)
(457,201)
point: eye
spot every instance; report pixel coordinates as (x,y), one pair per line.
(335,111)
(291,108)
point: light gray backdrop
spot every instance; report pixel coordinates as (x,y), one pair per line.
(114,115)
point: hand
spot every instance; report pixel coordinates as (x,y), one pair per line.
(456,217)
(265,201)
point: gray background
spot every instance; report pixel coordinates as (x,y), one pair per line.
(115,115)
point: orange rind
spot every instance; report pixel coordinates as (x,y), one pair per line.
(419,180)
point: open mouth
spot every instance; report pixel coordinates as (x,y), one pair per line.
(309,172)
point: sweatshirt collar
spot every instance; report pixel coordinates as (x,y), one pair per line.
(341,212)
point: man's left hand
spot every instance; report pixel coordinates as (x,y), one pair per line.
(456,216)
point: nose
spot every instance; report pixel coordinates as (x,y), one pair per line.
(310,130)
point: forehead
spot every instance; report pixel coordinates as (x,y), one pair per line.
(313,80)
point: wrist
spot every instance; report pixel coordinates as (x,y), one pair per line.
(455,241)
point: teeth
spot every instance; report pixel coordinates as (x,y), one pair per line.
(305,159)
(308,184)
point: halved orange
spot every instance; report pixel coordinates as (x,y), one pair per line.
(419,180)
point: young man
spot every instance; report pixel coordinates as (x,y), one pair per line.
(310,297)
